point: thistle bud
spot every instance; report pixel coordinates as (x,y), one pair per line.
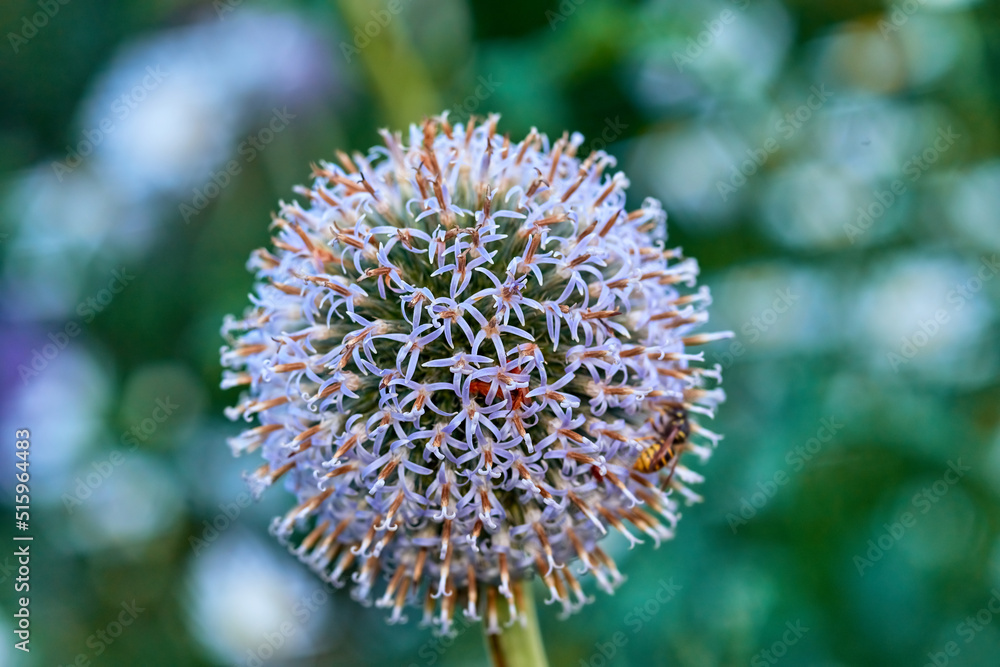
(470,362)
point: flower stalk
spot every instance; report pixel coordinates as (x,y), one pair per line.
(518,644)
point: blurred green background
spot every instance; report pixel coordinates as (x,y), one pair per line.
(835,167)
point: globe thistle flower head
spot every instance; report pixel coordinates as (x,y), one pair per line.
(470,362)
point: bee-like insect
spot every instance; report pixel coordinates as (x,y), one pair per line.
(671,438)
(518,396)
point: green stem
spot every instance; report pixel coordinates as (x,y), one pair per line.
(518,645)
(397,75)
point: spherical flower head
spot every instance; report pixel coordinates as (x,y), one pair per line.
(470,362)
